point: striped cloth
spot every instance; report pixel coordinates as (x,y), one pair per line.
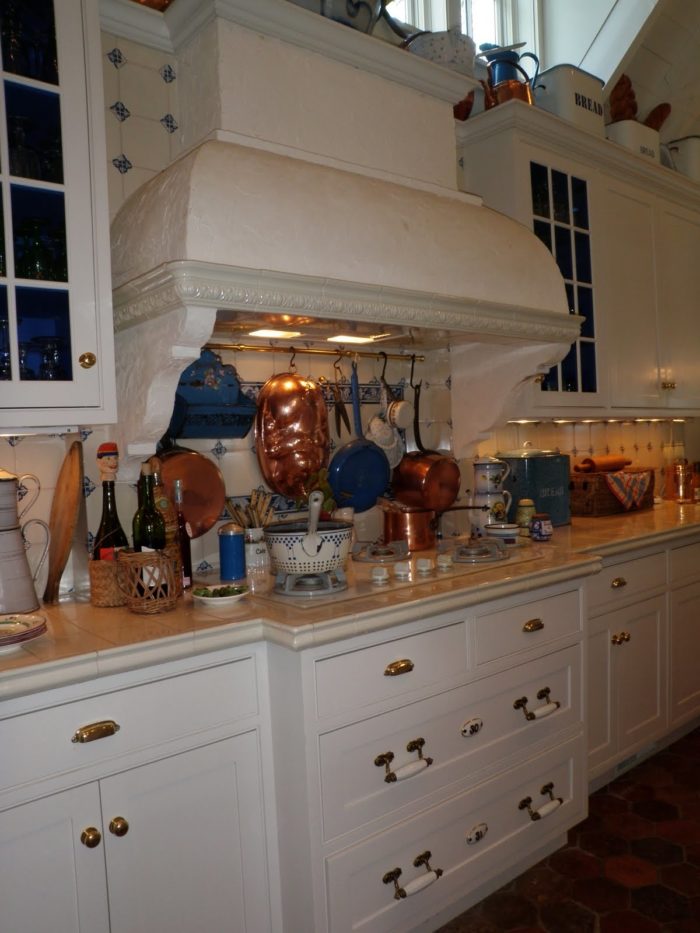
(629,488)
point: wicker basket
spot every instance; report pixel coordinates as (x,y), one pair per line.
(590,495)
(104,586)
(147,580)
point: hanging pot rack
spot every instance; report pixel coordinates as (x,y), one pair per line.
(317,351)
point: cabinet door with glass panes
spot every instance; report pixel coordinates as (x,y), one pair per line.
(56,352)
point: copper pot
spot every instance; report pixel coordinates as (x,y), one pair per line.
(425,478)
(417,527)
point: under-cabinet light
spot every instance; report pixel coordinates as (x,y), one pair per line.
(274,334)
(354,338)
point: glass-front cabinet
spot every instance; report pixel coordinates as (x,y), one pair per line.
(56,352)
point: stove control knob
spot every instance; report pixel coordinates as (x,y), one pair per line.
(380,575)
(424,565)
(402,569)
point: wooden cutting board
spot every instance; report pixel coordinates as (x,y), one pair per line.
(64,515)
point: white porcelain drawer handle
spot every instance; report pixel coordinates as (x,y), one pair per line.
(549,807)
(416,884)
(547,708)
(405,771)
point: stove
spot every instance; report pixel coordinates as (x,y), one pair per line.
(380,553)
(365,577)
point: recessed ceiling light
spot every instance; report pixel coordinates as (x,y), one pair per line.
(274,334)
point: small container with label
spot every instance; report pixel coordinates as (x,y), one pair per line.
(523,516)
(231,552)
(540,527)
(257,560)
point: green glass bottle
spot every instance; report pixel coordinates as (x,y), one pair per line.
(148,526)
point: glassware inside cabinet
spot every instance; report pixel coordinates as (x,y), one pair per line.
(29,39)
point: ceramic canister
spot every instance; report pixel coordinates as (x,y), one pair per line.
(232,551)
(543,476)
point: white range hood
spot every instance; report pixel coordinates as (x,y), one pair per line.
(250,227)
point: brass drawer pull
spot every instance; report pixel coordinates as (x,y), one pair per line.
(417,884)
(91,837)
(96,730)
(552,804)
(618,583)
(404,666)
(118,826)
(413,767)
(549,706)
(534,625)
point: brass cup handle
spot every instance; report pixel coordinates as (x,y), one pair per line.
(405,771)
(533,625)
(118,826)
(547,708)
(402,666)
(617,583)
(620,638)
(96,730)
(91,837)
(416,884)
(549,807)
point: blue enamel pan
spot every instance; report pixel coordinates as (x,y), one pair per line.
(359,472)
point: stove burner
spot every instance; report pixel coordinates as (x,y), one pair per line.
(309,585)
(480,552)
(380,553)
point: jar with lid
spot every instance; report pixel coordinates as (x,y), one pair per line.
(540,527)
(523,515)
(232,551)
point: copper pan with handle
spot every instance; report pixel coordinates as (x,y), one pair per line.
(424,478)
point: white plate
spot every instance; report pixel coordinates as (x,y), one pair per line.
(211,601)
(18,627)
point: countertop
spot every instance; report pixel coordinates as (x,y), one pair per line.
(84,642)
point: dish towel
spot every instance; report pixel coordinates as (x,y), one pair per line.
(628,488)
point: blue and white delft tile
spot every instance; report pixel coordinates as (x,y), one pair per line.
(120,111)
(116,57)
(88,486)
(167,73)
(169,122)
(122,164)
(218,450)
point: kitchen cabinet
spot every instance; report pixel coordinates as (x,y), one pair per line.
(684,643)
(419,761)
(158,824)
(56,344)
(626,252)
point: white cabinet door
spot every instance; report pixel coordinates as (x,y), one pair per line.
(677,255)
(627,285)
(193,856)
(49,880)
(626,682)
(684,654)
(56,345)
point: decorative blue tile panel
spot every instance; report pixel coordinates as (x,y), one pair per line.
(169,122)
(120,111)
(88,486)
(219,450)
(122,164)
(116,57)
(167,73)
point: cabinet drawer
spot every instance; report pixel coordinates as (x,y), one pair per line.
(533,624)
(357,678)
(471,838)
(465,731)
(618,583)
(684,564)
(39,745)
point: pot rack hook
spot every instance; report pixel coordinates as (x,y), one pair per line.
(386,360)
(292,365)
(413,365)
(336,364)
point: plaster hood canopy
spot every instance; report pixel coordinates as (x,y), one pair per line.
(250,233)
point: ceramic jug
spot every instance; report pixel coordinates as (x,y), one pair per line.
(492,507)
(17,592)
(10,486)
(489,475)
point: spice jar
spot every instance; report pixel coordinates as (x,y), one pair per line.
(523,516)
(540,527)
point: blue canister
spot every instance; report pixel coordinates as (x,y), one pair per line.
(232,551)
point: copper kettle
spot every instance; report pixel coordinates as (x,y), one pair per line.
(510,89)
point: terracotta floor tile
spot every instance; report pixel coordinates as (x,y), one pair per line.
(603,844)
(574,863)
(603,803)
(601,894)
(660,903)
(680,831)
(627,921)
(655,810)
(630,871)
(683,878)
(567,917)
(658,851)
(541,884)
(681,926)
(627,825)
(508,911)
(692,854)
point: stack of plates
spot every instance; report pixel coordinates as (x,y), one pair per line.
(18,628)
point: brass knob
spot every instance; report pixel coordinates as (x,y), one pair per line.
(668,385)
(618,583)
(118,826)
(91,837)
(87,360)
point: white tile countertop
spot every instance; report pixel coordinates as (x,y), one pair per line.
(84,642)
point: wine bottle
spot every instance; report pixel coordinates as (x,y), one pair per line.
(148,525)
(110,534)
(184,533)
(164,506)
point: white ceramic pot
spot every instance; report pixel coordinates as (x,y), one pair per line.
(493,509)
(10,484)
(489,474)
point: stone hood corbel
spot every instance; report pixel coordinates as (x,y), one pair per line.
(241,229)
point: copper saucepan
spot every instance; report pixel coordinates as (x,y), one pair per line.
(417,527)
(425,478)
